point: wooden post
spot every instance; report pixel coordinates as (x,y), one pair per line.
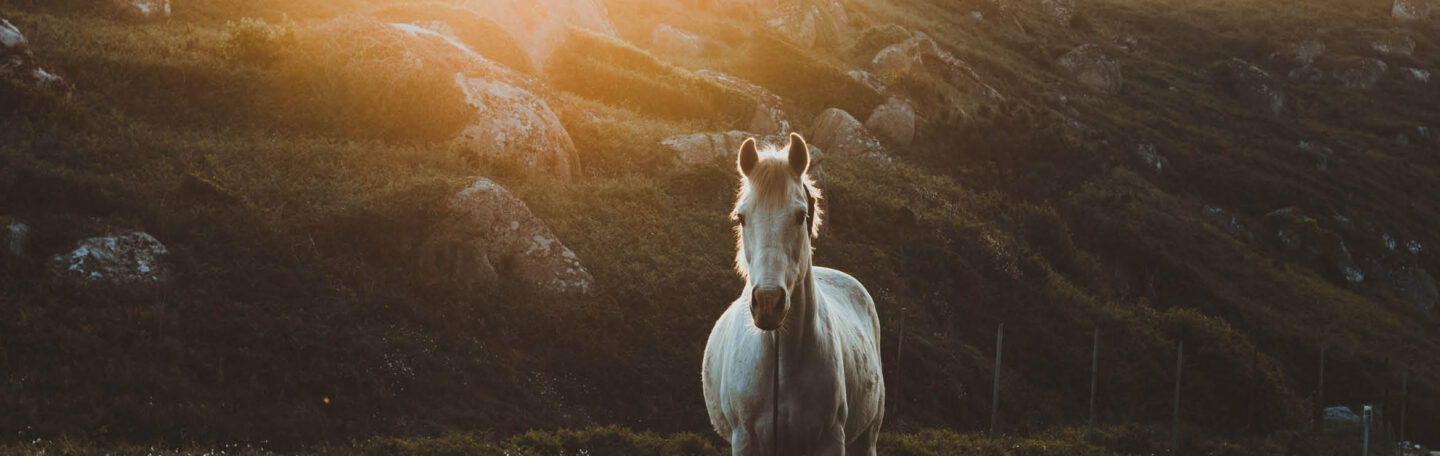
(1404,399)
(995,399)
(1320,395)
(899,351)
(1094,370)
(1175,422)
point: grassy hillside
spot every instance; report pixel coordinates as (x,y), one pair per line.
(293,181)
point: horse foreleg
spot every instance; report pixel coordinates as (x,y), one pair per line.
(742,444)
(864,445)
(833,443)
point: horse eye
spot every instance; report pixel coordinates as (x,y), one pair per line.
(800,217)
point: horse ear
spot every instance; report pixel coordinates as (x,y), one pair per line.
(748,156)
(799,155)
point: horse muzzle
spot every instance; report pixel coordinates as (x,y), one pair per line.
(768,306)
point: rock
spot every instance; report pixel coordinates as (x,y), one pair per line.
(1226,221)
(512,122)
(1341,414)
(770,117)
(487,236)
(1301,53)
(144,9)
(1061,10)
(1411,10)
(893,121)
(13,237)
(11,40)
(670,40)
(1415,74)
(1091,66)
(539,25)
(17,62)
(1401,274)
(1255,88)
(1360,73)
(1394,43)
(1302,238)
(797,25)
(838,132)
(1324,155)
(130,258)
(1152,159)
(870,80)
(921,53)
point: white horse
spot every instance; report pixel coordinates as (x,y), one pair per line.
(831,395)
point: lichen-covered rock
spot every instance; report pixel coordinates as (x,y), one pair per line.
(921,53)
(17,62)
(798,25)
(1227,222)
(14,236)
(1150,157)
(1411,10)
(869,79)
(1395,43)
(130,258)
(144,9)
(511,122)
(894,121)
(1303,239)
(1360,73)
(1255,88)
(539,25)
(1090,65)
(1324,155)
(1415,74)
(670,40)
(488,237)
(770,117)
(838,132)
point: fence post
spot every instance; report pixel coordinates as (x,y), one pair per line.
(995,398)
(1094,369)
(1175,422)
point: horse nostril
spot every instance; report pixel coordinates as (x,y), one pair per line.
(767,299)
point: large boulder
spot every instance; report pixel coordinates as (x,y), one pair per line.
(539,25)
(798,25)
(511,122)
(144,9)
(1415,74)
(1411,10)
(1255,88)
(1303,239)
(1152,160)
(670,40)
(770,117)
(130,258)
(1090,65)
(869,79)
(1394,43)
(17,62)
(487,237)
(1226,221)
(838,132)
(894,121)
(921,53)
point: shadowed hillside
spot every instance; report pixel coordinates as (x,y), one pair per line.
(385,227)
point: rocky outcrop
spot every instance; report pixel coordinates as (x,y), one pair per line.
(1304,240)
(1090,65)
(1150,157)
(921,53)
(1324,155)
(893,121)
(770,117)
(130,258)
(14,236)
(1394,43)
(1415,74)
(869,79)
(1411,10)
(1227,222)
(488,237)
(1255,88)
(1360,73)
(144,9)
(797,25)
(511,122)
(838,132)
(17,62)
(670,40)
(1390,262)
(539,25)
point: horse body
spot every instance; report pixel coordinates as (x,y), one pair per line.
(832,394)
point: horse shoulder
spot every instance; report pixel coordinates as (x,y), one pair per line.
(842,290)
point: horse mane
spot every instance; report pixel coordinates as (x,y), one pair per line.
(767,181)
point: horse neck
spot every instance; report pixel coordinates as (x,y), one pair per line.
(800,334)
